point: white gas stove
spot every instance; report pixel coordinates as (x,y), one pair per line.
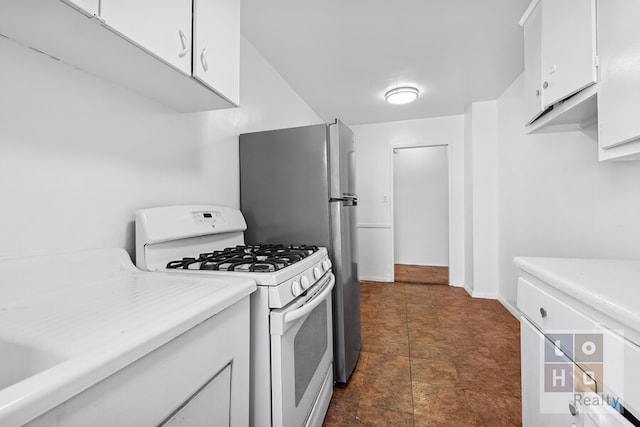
(291,312)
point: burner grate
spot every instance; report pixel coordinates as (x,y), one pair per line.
(264,258)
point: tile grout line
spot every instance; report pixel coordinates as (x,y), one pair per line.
(406,318)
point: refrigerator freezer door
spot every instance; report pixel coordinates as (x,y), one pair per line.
(347,339)
(284,186)
(342,161)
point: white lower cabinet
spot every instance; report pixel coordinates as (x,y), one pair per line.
(200,378)
(541,406)
(209,406)
(578,369)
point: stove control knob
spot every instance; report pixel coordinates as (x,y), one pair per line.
(305,282)
(326,265)
(296,289)
(317,273)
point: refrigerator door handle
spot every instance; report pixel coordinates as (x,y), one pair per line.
(347,199)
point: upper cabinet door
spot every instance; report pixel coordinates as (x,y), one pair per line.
(532,65)
(568,48)
(89,7)
(619,94)
(216,52)
(161,28)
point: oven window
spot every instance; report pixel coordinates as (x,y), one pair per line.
(310,345)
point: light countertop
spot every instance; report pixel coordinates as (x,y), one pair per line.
(76,327)
(610,287)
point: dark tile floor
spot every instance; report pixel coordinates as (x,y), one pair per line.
(431,356)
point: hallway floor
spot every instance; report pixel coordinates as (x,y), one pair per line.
(431,356)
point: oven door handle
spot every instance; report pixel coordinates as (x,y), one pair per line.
(311,304)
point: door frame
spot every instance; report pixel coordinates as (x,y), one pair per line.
(390,153)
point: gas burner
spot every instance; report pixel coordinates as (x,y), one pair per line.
(265,258)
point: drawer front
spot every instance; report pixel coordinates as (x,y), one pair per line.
(548,313)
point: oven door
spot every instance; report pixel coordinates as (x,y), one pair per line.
(302,355)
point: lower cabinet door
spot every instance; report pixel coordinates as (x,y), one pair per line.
(553,387)
(209,406)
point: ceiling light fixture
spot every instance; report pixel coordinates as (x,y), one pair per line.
(401,95)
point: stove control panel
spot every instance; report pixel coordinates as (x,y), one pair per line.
(213,218)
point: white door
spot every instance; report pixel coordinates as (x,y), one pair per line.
(421,206)
(216,52)
(161,28)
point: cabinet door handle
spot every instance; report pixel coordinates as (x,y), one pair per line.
(545,85)
(573,409)
(203,59)
(538,92)
(184,41)
(543,312)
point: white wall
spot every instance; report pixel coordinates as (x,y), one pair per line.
(481,199)
(468,200)
(556,199)
(78,154)
(421,206)
(374,147)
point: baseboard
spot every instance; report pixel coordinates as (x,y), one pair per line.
(375,279)
(483,295)
(514,311)
(468,289)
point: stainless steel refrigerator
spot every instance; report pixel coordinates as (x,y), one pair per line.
(297,186)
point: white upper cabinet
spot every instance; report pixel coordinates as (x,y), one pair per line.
(90,7)
(216,52)
(143,45)
(568,48)
(560,54)
(619,93)
(533,64)
(161,28)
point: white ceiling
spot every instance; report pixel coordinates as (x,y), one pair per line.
(341,56)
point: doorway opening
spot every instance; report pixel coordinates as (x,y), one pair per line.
(421,214)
